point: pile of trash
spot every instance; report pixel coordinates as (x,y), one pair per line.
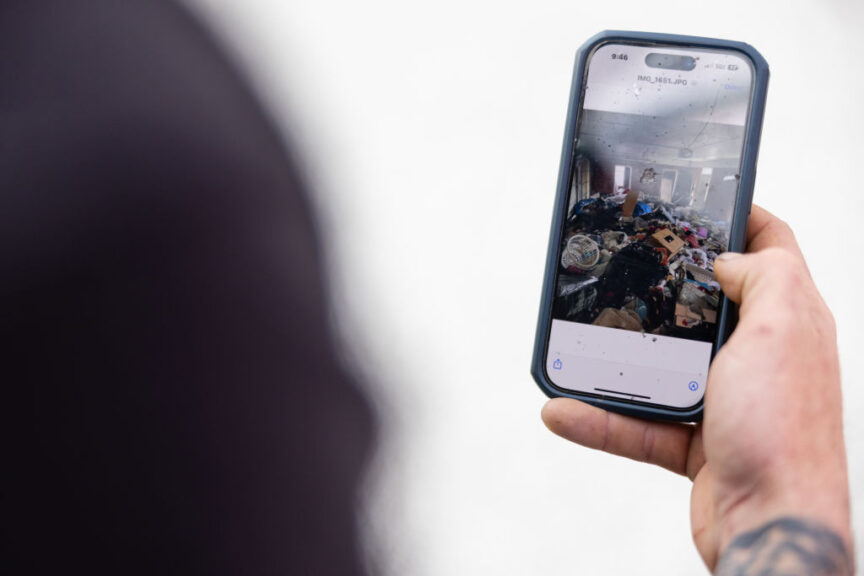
(642,266)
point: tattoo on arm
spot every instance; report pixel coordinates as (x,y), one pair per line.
(787,546)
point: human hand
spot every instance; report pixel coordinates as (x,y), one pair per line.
(768,463)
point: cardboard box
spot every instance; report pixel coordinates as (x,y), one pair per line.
(686,318)
(630,203)
(669,240)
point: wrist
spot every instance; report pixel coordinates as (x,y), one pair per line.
(826,506)
(788,545)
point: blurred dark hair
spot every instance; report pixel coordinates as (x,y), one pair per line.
(176,401)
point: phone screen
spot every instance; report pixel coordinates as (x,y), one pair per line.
(652,193)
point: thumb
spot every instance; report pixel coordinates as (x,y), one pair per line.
(767,274)
(731,269)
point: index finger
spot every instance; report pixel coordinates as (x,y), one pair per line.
(662,444)
(765,230)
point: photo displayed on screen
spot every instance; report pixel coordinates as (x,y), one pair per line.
(653,189)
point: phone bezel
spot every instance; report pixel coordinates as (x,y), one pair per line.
(738,230)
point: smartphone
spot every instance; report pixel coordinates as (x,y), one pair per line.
(656,180)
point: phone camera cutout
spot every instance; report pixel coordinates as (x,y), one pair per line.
(670,61)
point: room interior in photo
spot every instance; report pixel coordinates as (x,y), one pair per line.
(649,211)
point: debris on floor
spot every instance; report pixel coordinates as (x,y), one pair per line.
(642,265)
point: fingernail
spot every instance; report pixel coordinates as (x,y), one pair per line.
(728,255)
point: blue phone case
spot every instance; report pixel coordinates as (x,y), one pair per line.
(738,231)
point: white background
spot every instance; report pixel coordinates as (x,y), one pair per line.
(432,134)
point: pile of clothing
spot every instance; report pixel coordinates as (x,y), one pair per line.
(643,266)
